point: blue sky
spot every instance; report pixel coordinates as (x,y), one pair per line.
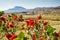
(29,4)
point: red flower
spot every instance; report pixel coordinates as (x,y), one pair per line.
(22,20)
(3,18)
(40,38)
(8,35)
(31,22)
(56,34)
(11,25)
(40,17)
(45,36)
(45,29)
(22,28)
(27,21)
(9,15)
(19,19)
(7,26)
(15,17)
(13,37)
(45,23)
(59,33)
(34,36)
(12,22)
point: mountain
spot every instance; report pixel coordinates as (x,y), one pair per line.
(15,9)
(37,10)
(45,10)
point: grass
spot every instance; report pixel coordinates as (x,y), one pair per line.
(54,20)
(54,23)
(45,17)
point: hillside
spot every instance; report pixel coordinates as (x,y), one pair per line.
(15,9)
(37,10)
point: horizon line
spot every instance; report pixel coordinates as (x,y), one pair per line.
(30,8)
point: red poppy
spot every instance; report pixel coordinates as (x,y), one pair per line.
(3,18)
(9,15)
(15,17)
(22,19)
(8,35)
(11,25)
(45,23)
(31,22)
(13,37)
(56,34)
(27,21)
(40,17)
(45,36)
(45,29)
(34,36)
(12,22)
(19,19)
(22,28)
(7,26)
(40,38)
(59,33)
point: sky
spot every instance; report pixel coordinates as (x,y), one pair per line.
(29,4)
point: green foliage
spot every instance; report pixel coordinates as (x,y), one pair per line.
(50,30)
(13,14)
(9,18)
(21,36)
(17,39)
(37,26)
(55,38)
(21,16)
(25,38)
(1,13)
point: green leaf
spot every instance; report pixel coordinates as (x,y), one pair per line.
(1,13)
(13,14)
(50,30)
(37,26)
(29,33)
(17,39)
(21,16)
(42,21)
(3,23)
(55,38)
(25,38)
(21,35)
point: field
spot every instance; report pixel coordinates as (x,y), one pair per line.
(54,21)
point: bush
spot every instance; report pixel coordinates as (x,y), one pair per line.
(1,13)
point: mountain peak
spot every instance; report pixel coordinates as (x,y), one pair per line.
(15,9)
(18,7)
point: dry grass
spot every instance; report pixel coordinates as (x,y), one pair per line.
(45,17)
